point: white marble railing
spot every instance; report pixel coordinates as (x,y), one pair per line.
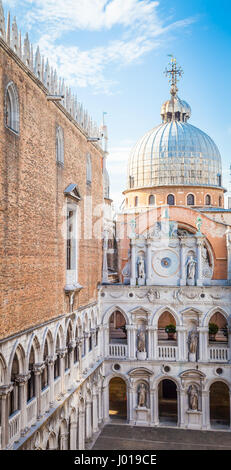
(167,352)
(31,412)
(218,354)
(57,387)
(14,427)
(117,350)
(45,400)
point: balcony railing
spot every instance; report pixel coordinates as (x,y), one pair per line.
(45,400)
(31,412)
(167,352)
(118,350)
(218,354)
(14,427)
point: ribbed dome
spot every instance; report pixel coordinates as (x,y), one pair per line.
(174,153)
(176,106)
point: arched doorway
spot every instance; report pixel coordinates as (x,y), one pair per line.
(117,398)
(219,404)
(117,328)
(167,397)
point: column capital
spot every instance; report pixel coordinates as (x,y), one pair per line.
(61,352)
(38,368)
(21,379)
(5,389)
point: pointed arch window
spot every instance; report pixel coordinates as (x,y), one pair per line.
(208,200)
(151,200)
(88,169)
(59,145)
(12,108)
(190,200)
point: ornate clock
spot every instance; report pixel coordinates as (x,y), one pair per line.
(165,262)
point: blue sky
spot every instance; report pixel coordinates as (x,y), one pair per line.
(114,52)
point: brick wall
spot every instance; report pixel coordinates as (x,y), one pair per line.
(32,201)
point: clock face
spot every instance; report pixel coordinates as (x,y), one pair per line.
(165,263)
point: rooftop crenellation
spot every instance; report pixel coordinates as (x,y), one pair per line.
(41,68)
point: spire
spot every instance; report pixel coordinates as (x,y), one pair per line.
(8,30)
(2,21)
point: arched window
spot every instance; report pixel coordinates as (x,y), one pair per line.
(31,380)
(136,201)
(59,145)
(220,201)
(89,169)
(151,200)
(171,200)
(12,107)
(44,377)
(14,394)
(207,200)
(190,200)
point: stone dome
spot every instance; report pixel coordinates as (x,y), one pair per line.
(174,153)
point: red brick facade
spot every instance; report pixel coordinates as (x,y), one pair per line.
(32,202)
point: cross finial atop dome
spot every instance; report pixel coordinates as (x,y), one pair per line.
(173,72)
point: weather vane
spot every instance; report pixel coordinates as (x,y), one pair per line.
(173,72)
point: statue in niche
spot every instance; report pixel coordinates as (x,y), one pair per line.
(191,268)
(141,269)
(193,397)
(193,340)
(141,341)
(142,395)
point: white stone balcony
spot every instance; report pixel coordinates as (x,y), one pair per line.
(218,353)
(118,350)
(167,352)
(14,427)
(31,412)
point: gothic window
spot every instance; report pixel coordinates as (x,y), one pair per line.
(89,169)
(208,200)
(14,394)
(151,200)
(59,145)
(12,108)
(44,379)
(76,348)
(31,380)
(190,200)
(68,353)
(136,201)
(57,360)
(171,200)
(220,201)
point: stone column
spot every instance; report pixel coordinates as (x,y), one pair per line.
(61,353)
(149,262)
(106,418)
(205,395)
(200,242)
(79,342)
(130,405)
(22,380)
(183,269)
(182,343)
(133,262)
(150,343)
(181,407)
(51,361)
(155,407)
(4,403)
(71,347)
(73,435)
(95,413)
(100,405)
(88,421)
(152,411)
(81,433)
(38,368)
(106,340)
(155,343)
(64,441)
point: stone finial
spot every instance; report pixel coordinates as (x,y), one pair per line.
(26,51)
(20,44)
(31,58)
(42,70)
(37,65)
(55,83)
(8,30)
(2,22)
(14,36)
(47,77)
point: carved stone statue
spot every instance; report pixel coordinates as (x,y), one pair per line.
(193,340)
(142,395)
(141,341)
(191,268)
(141,269)
(152,295)
(193,397)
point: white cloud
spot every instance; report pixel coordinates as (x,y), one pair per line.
(138,31)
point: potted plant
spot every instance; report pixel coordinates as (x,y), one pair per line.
(171,330)
(213,329)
